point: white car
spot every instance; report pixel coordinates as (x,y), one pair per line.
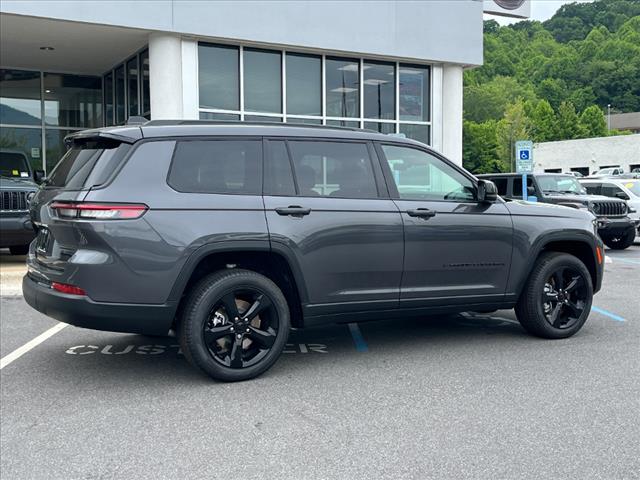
(608,172)
(625,188)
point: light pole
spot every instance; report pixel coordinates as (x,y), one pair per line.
(608,117)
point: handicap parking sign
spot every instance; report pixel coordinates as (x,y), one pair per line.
(524,156)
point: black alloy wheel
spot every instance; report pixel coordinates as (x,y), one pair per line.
(564,297)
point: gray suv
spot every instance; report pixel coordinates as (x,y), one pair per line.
(232,234)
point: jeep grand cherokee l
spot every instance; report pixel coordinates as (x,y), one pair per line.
(233,234)
(615,226)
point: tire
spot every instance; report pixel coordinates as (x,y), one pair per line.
(553,274)
(19,249)
(217,337)
(622,241)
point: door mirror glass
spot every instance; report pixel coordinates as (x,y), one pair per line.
(487,191)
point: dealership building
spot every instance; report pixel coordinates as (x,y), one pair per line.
(390,66)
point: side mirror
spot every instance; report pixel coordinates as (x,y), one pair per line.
(38,176)
(487,191)
(622,195)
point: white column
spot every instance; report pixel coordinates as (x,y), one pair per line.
(452,112)
(165,76)
(190,94)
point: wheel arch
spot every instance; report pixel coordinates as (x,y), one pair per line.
(578,244)
(279,266)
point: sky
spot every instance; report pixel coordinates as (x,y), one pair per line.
(540,10)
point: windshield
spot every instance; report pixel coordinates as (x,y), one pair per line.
(634,186)
(606,171)
(560,184)
(13,164)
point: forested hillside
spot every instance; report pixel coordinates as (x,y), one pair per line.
(552,80)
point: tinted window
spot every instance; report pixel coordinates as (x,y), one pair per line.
(611,190)
(19,97)
(262,81)
(217,166)
(334,169)
(278,176)
(120,89)
(416,132)
(132,86)
(421,176)
(219,76)
(501,185)
(75,167)
(592,188)
(517,187)
(74,100)
(414,93)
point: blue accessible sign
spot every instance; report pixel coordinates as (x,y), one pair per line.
(524,162)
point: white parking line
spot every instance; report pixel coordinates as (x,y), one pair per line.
(18,352)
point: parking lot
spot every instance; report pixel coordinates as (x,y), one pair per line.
(466,396)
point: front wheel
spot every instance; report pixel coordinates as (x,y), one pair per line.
(234,325)
(621,241)
(556,299)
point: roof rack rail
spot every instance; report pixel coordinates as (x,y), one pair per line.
(263,124)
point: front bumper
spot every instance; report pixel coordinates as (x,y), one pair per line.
(16,230)
(84,312)
(616,226)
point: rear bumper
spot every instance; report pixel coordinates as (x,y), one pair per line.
(84,312)
(16,231)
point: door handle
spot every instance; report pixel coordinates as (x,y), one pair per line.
(421,213)
(293,210)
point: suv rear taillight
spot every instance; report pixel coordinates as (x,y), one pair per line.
(98,211)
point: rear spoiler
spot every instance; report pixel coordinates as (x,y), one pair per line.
(110,136)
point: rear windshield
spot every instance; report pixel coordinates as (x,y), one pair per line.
(85,165)
(13,164)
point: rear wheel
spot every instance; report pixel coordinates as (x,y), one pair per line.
(19,249)
(234,325)
(556,300)
(620,241)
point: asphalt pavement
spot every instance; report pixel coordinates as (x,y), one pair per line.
(464,396)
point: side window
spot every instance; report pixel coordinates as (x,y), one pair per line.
(501,185)
(517,187)
(333,169)
(278,178)
(422,176)
(217,166)
(611,190)
(592,188)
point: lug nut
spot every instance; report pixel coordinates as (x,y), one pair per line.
(239,337)
(248,330)
(236,319)
(231,329)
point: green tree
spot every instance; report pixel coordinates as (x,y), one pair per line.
(480,154)
(513,127)
(593,122)
(568,122)
(543,123)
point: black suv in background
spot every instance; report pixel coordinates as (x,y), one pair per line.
(232,234)
(17,185)
(615,227)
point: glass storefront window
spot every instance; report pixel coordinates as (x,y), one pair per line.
(144,84)
(25,140)
(20,97)
(262,80)
(381,127)
(343,123)
(304,84)
(421,133)
(132,86)
(108,99)
(72,100)
(343,87)
(219,116)
(262,118)
(414,93)
(219,76)
(379,90)
(120,89)
(310,121)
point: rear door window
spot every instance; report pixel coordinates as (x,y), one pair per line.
(501,185)
(217,166)
(611,190)
(593,188)
(278,178)
(333,169)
